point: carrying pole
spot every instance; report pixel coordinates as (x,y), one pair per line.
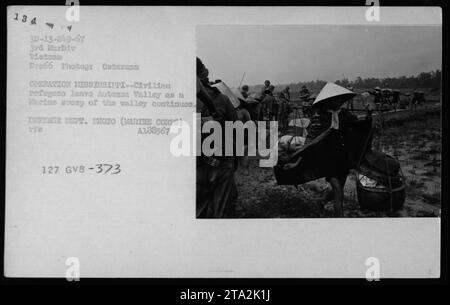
(240,84)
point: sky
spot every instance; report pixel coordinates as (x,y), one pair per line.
(291,54)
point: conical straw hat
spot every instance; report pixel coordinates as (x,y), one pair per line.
(332,93)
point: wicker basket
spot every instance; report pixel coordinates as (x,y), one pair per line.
(381,199)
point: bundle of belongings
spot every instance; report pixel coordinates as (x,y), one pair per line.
(293,142)
(319,156)
(290,143)
(380,185)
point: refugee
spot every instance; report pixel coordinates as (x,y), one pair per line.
(304,93)
(395,99)
(328,113)
(415,99)
(284,108)
(248,103)
(387,96)
(268,104)
(377,96)
(337,176)
(244,91)
(421,98)
(275,106)
(264,89)
(216,191)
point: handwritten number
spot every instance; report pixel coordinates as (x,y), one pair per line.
(106,168)
(24,19)
(109,167)
(117,168)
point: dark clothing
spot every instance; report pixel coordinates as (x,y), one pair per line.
(350,104)
(224,108)
(339,169)
(285,95)
(243,114)
(283,112)
(395,97)
(268,106)
(416,100)
(321,122)
(275,110)
(253,109)
(264,89)
(377,96)
(304,94)
(222,104)
(216,189)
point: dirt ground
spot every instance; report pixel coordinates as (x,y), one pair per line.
(413,137)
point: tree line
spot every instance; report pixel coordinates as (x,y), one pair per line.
(431,80)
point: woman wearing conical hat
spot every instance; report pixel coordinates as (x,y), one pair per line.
(329,114)
(377,95)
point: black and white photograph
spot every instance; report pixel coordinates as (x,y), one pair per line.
(183,143)
(358,109)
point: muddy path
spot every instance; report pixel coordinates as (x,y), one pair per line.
(413,137)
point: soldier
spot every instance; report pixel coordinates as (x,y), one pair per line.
(304,93)
(284,108)
(244,91)
(275,106)
(215,185)
(269,105)
(264,89)
(305,101)
(286,94)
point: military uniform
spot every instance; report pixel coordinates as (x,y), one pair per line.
(268,106)
(216,190)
